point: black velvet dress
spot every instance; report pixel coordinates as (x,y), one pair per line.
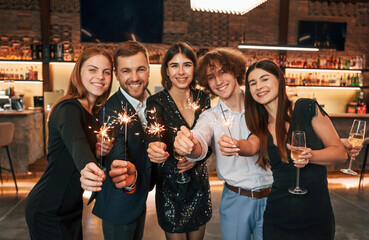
(54,205)
(298,217)
(180,207)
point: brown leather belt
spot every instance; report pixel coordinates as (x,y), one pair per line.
(256,194)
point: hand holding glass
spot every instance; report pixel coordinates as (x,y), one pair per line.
(356,138)
(183,177)
(298,143)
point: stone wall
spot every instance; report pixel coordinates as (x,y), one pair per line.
(28,141)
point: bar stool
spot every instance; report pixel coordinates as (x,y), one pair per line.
(366,144)
(7,134)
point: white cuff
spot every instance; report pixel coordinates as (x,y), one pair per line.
(130,188)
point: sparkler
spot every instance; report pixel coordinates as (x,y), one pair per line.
(106,132)
(194,104)
(123,118)
(226,122)
(155,128)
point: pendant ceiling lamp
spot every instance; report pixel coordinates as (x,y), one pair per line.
(238,7)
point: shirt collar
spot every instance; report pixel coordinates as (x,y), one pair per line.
(221,105)
(133,101)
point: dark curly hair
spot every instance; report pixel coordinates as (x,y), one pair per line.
(232,60)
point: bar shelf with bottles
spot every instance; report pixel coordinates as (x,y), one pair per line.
(323,72)
(324,77)
(27,71)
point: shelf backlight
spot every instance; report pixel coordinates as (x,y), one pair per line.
(20,81)
(276,47)
(326,87)
(321,70)
(21,62)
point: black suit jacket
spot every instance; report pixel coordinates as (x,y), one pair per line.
(112,204)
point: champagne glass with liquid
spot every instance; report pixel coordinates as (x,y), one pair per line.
(182,177)
(356,138)
(298,143)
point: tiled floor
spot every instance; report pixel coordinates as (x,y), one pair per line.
(351,207)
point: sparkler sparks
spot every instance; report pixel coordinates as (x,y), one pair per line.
(155,129)
(106,133)
(194,104)
(123,118)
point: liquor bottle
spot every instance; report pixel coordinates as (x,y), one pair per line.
(278,61)
(34,52)
(348,80)
(339,63)
(318,62)
(52,51)
(361,80)
(305,65)
(361,107)
(300,80)
(344,80)
(35,74)
(71,51)
(317,81)
(39,49)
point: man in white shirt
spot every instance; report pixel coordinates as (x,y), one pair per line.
(221,72)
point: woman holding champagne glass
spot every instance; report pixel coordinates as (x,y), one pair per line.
(183,202)
(273,117)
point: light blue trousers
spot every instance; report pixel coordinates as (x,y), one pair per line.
(241,217)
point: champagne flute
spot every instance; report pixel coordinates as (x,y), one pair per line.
(298,143)
(356,138)
(183,177)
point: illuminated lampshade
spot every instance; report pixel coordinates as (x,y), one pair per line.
(225,6)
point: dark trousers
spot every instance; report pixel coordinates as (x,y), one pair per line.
(132,231)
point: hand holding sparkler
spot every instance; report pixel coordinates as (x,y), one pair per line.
(243,147)
(92,177)
(156,152)
(107,146)
(185,143)
(228,146)
(123,173)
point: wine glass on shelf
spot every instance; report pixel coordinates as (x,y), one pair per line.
(298,143)
(356,138)
(182,177)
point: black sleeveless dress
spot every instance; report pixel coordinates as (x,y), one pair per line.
(180,207)
(288,216)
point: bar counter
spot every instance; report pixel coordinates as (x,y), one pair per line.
(343,122)
(28,141)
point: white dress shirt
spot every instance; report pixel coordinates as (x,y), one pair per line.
(237,171)
(139,106)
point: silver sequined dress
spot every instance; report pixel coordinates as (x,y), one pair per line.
(180,207)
